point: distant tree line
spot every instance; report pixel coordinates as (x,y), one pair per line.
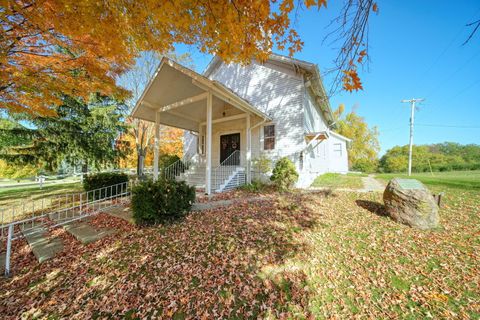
(446,156)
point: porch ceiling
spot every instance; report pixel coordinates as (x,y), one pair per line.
(179,94)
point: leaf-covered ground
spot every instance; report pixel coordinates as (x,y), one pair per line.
(315,255)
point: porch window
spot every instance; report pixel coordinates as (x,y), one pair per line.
(202,144)
(269,137)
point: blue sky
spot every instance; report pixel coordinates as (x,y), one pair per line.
(416,52)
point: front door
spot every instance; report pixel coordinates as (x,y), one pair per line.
(229,143)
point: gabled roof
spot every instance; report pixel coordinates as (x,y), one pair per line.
(171,90)
(312,77)
(339,136)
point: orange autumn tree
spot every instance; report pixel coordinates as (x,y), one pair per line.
(171,143)
(76,47)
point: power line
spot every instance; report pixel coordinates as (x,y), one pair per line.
(447,126)
(443,82)
(460,30)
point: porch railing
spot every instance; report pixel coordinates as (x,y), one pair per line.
(179,167)
(226,169)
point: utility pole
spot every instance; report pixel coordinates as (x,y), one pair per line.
(412,115)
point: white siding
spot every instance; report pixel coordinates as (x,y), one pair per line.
(314,120)
(280,92)
(276,91)
(338,162)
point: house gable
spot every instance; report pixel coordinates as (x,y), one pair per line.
(276,90)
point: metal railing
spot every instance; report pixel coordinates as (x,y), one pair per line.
(77,207)
(226,169)
(177,169)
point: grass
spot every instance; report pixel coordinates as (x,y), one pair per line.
(16,195)
(452,179)
(337,180)
(294,256)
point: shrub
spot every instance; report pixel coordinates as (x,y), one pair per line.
(255,186)
(284,174)
(166,160)
(104,179)
(262,164)
(161,201)
(365,165)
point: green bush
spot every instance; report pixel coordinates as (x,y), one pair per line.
(365,165)
(161,201)
(255,186)
(284,174)
(105,179)
(166,160)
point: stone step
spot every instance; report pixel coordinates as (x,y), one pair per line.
(43,245)
(85,233)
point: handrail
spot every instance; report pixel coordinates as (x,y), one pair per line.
(180,166)
(227,167)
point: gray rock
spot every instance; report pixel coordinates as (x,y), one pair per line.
(409,202)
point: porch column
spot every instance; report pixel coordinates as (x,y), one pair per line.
(248,174)
(208,149)
(156,147)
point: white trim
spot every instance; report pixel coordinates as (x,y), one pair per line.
(141,99)
(156,150)
(150,105)
(181,115)
(184,102)
(248,148)
(339,136)
(230,118)
(208,151)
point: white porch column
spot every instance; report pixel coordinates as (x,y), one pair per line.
(248,174)
(156,147)
(208,149)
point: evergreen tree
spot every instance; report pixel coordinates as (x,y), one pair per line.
(80,133)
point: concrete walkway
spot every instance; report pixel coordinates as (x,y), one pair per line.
(85,233)
(372,184)
(43,245)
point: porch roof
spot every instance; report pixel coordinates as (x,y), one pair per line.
(180,94)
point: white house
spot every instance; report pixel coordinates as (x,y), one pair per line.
(234,114)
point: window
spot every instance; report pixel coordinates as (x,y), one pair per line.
(337,149)
(269,137)
(202,145)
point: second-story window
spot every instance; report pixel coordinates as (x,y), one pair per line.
(269,137)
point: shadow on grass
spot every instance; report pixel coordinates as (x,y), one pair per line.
(374,207)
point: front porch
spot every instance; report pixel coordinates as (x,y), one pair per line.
(221,121)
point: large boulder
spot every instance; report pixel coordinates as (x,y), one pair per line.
(409,202)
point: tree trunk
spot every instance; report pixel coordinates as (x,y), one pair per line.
(85,167)
(140,161)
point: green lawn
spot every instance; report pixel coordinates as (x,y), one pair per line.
(453,179)
(16,195)
(336,180)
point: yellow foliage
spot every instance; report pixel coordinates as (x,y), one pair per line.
(80,47)
(171,142)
